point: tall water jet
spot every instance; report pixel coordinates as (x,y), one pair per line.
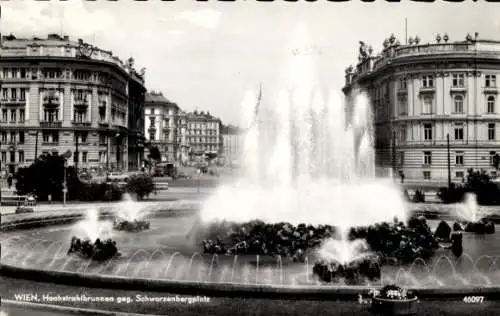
(303,163)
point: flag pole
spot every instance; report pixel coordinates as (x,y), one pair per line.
(406,31)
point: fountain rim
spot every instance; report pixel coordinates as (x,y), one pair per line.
(224,289)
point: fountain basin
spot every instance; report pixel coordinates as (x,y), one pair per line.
(480,227)
(131,226)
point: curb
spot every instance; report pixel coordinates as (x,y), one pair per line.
(287,292)
(70,310)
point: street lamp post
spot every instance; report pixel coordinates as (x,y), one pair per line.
(65,185)
(449,163)
(77,154)
(198,180)
(118,160)
(36,145)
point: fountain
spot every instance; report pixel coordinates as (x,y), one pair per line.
(306,163)
(130,216)
(474,219)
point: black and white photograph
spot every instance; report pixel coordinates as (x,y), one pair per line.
(249,158)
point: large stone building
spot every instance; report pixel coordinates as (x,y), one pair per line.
(422,93)
(59,95)
(203,134)
(181,137)
(232,143)
(165,127)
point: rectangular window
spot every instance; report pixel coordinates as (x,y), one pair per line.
(403,105)
(427,158)
(402,84)
(84,156)
(21,156)
(490,81)
(427,105)
(426,175)
(459,174)
(458,80)
(427,81)
(459,158)
(427,131)
(401,158)
(21,116)
(492,157)
(491,131)
(459,132)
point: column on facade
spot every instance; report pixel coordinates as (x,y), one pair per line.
(60,113)
(40,104)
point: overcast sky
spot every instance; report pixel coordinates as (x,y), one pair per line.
(207,55)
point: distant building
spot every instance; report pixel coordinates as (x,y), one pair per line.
(421,93)
(180,136)
(203,134)
(165,127)
(232,143)
(59,95)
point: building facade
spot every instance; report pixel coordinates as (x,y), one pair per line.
(180,136)
(165,127)
(232,143)
(203,135)
(59,95)
(424,94)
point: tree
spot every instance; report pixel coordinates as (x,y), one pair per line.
(211,156)
(141,185)
(154,153)
(46,176)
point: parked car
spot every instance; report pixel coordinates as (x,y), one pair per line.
(117,176)
(24,209)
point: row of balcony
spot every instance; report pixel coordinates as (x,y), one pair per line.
(58,124)
(492,90)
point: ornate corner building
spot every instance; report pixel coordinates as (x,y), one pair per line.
(59,95)
(423,94)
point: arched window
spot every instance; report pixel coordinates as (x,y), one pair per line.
(491,104)
(459,103)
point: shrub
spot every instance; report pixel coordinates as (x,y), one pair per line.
(418,197)
(479,183)
(140,185)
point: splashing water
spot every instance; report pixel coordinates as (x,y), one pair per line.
(342,251)
(303,162)
(129,210)
(469,210)
(92,228)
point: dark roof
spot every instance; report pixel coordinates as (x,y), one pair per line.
(156,97)
(231,130)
